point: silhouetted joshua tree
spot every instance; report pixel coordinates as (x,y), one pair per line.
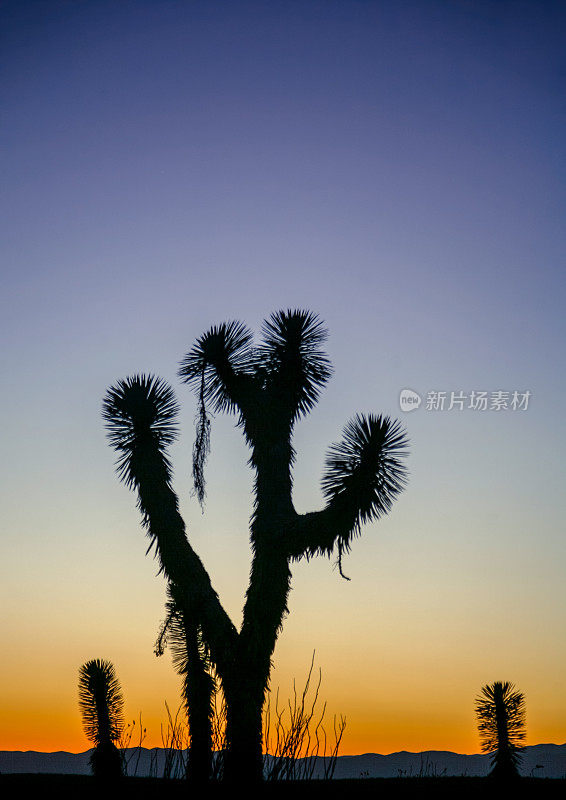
(269,388)
(500,711)
(101,704)
(191,660)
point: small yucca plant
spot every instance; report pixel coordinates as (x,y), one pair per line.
(500,711)
(101,704)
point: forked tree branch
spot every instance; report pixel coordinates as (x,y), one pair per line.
(184,568)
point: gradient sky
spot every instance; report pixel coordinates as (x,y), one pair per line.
(398,168)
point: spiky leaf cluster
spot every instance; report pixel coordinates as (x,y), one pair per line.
(101,702)
(284,374)
(500,711)
(364,470)
(139,411)
(292,360)
(218,355)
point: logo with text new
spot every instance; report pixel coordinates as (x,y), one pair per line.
(409,400)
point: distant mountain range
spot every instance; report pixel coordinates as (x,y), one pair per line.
(541,760)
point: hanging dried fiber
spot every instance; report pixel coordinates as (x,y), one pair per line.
(201,447)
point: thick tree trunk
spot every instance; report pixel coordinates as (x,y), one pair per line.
(244,758)
(198,693)
(199,765)
(266,605)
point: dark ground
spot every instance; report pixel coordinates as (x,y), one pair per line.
(85,787)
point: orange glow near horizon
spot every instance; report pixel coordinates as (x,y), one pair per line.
(58,733)
(46,730)
(50,742)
